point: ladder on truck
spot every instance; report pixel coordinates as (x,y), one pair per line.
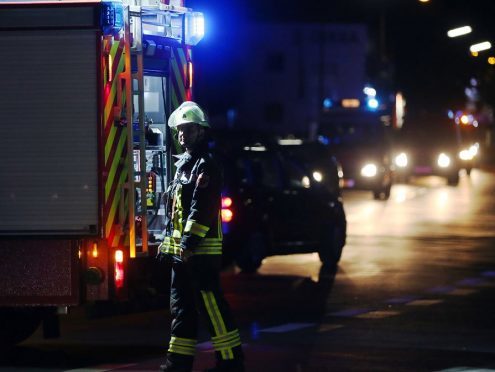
(161,17)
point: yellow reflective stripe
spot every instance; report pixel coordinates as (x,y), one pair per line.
(181,350)
(226,336)
(228,341)
(196,228)
(177,234)
(183,341)
(219,225)
(184,346)
(211,241)
(216,320)
(170,245)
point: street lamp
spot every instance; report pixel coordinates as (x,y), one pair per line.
(459,31)
(479,47)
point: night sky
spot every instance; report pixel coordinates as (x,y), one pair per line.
(420,60)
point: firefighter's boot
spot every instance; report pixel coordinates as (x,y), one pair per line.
(177,365)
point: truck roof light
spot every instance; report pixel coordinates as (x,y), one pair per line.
(194,28)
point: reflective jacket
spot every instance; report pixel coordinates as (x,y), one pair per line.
(193,206)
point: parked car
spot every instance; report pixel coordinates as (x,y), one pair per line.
(432,146)
(272,205)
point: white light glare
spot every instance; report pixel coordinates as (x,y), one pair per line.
(317,176)
(371,92)
(465,155)
(475,48)
(459,31)
(443,160)
(369,170)
(401,160)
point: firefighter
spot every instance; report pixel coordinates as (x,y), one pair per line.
(193,243)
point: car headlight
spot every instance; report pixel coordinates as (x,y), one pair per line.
(443,160)
(369,170)
(317,176)
(474,149)
(401,160)
(465,155)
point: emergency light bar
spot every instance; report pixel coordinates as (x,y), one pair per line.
(194,28)
(181,25)
(111,17)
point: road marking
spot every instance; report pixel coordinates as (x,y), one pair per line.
(350,312)
(328,327)
(378,314)
(463,292)
(424,302)
(289,327)
(102,368)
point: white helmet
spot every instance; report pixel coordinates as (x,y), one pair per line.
(188,112)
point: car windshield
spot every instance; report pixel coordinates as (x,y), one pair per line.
(353,133)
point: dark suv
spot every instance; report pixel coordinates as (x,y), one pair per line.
(273,205)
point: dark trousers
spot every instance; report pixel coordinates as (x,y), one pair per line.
(195,289)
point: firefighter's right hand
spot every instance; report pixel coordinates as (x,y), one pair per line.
(185,254)
(162,257)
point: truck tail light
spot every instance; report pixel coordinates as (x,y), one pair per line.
(119,269)
(227,214)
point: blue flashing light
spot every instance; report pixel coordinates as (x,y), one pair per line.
(111,17)
(450,114)
(323,140)
(373,103)
(194,28)
(327,103)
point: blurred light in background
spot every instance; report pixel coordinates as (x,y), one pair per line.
(369,91)
(373,103)
(317,176)
(479,47)
(401,160)
(327,103)
(459,31)
(491,60)
(443,160)
(369,170)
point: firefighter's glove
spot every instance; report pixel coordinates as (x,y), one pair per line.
(185,254)
(162,258)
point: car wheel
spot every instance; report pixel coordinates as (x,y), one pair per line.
(333,240)
(252,252)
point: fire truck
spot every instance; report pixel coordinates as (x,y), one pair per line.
(86,154)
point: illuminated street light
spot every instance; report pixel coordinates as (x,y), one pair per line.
(459,31)
(491,60)
(424,1)
(485,45)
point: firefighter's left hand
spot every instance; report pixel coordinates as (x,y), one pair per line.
(185,254)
